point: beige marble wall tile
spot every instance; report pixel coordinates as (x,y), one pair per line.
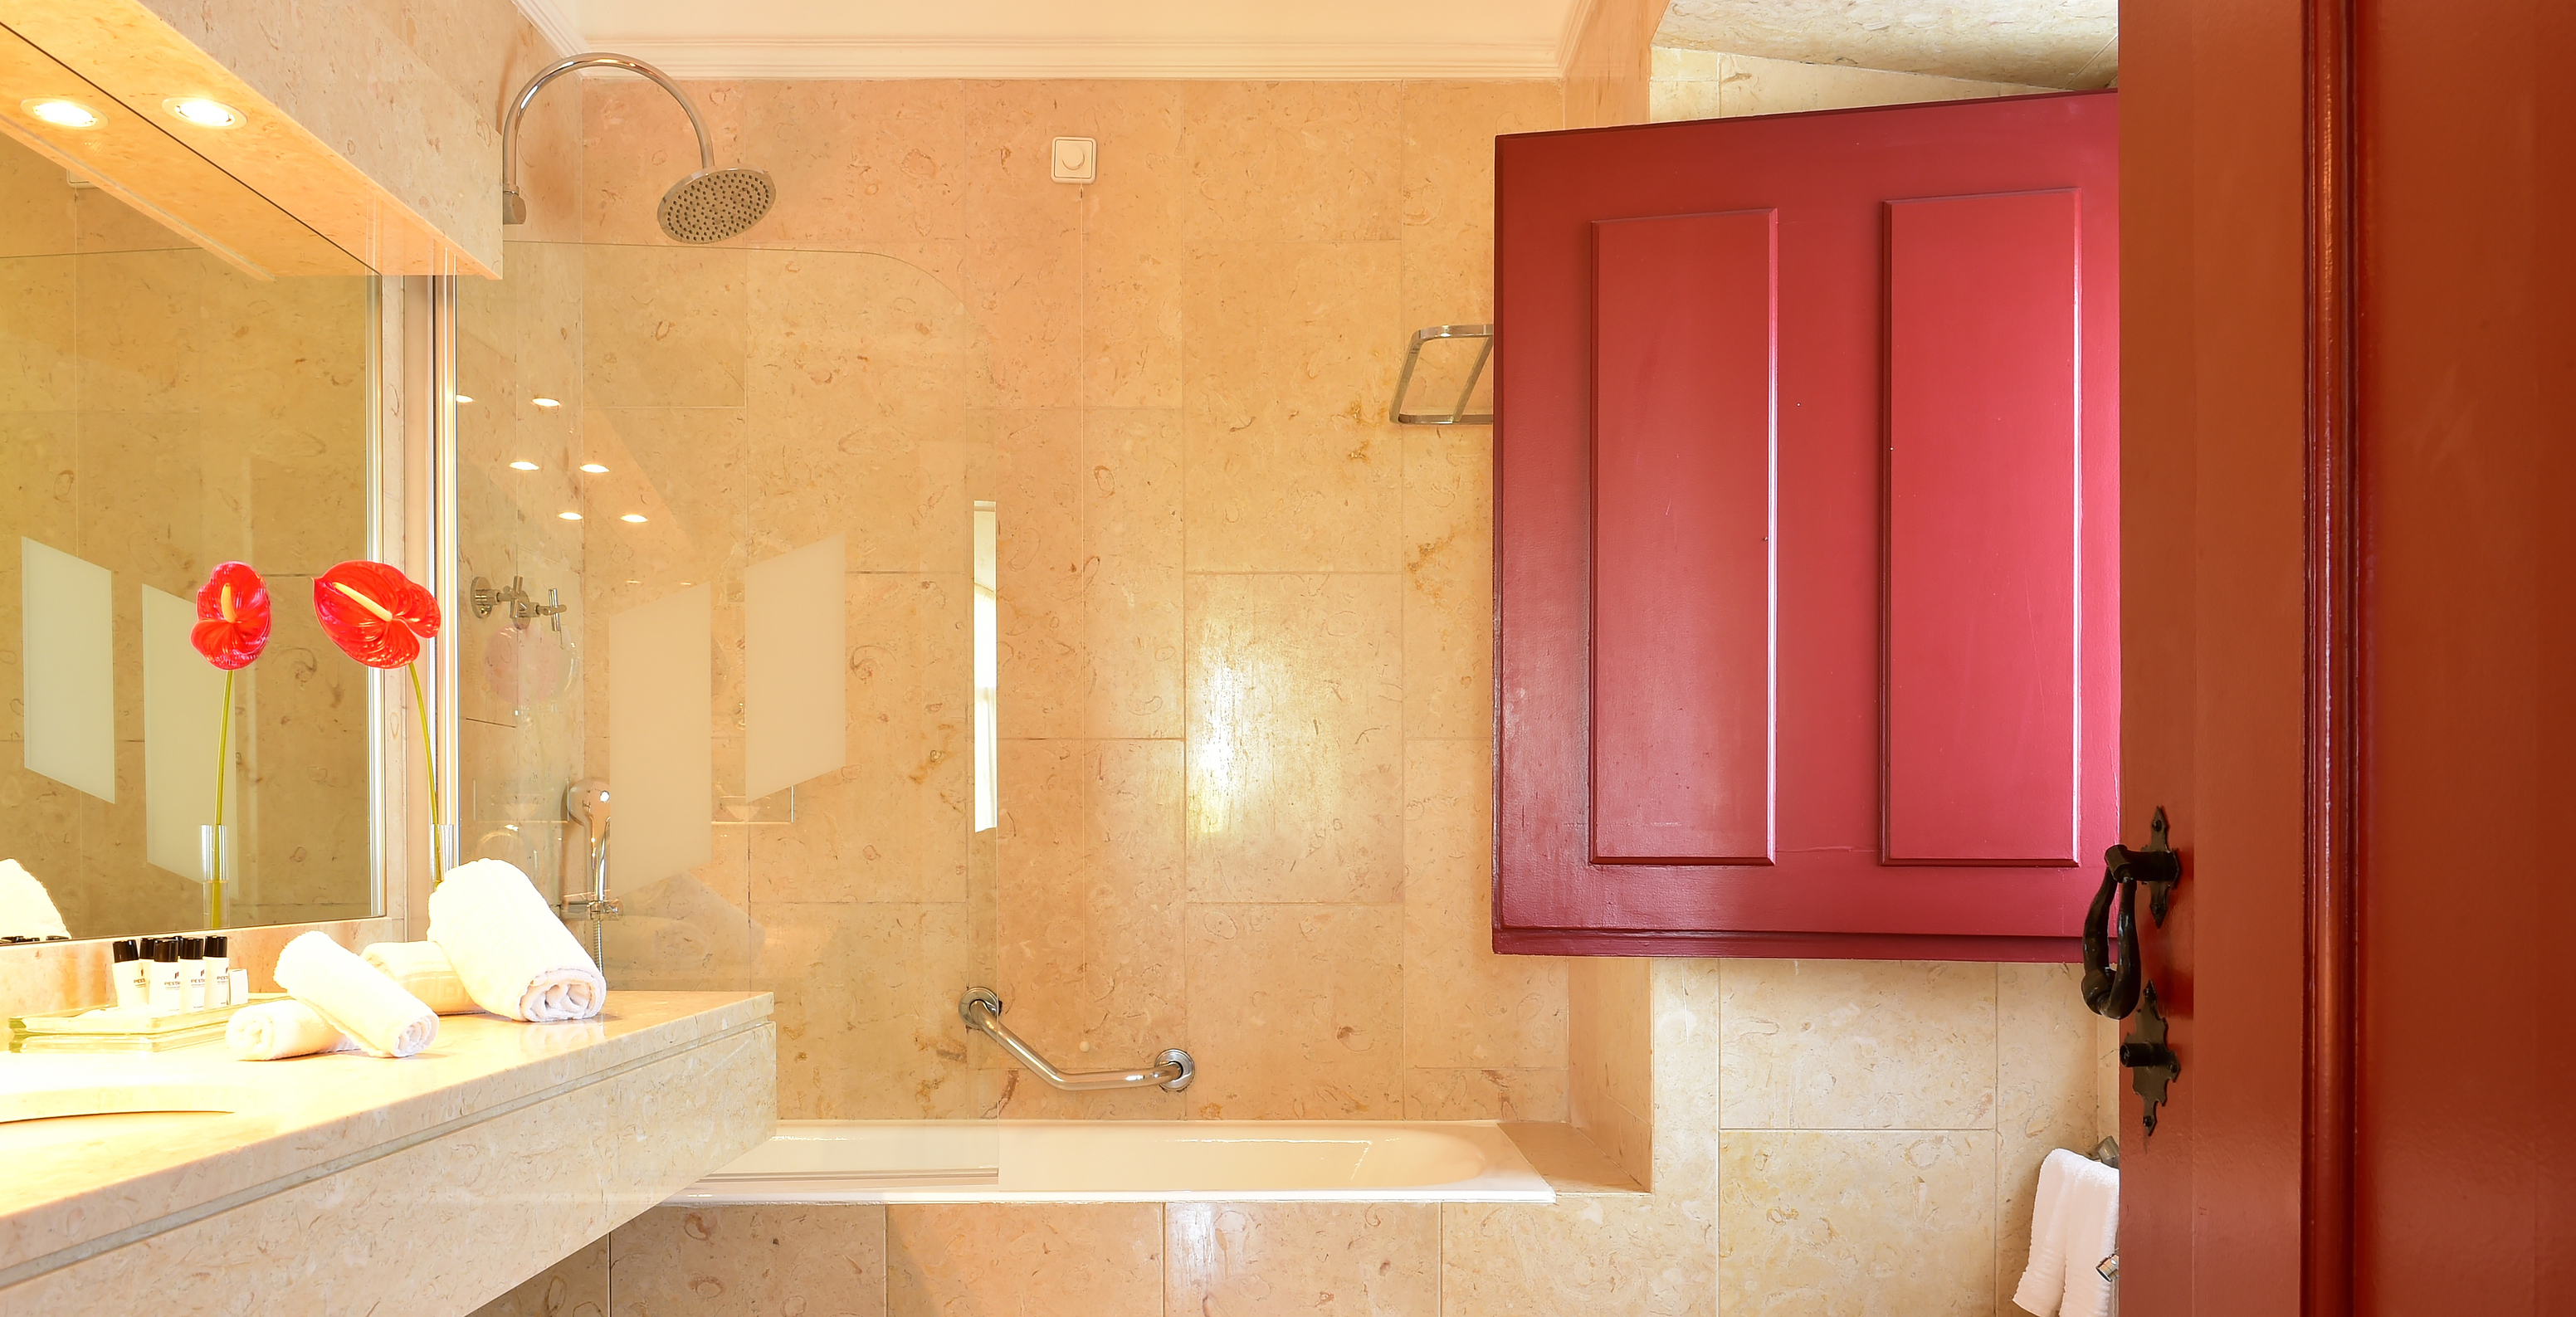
(575,1287)
(1609,1050)
(38,363)
(1687,1057)
(1852,1222)
(1295,1012)
(2045,1068)
(1487,1094)
(1131,254)
(1328,1259)
(1465,1006)
(1091,915)
(1101,1260)
(1686,88)
(858,163)
(867,1009)
(37,207)
(1132,584)
(1813,1044)
(1449,583)
(1024,242)
(141,330)
(1645,1254)
(1287,368)
(663,327)
(2110,1081)
(819,1261)
(1293,161)
(1295,763)
(1041,572)
(1448,189)
(636,143)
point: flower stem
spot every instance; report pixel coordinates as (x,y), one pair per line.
(223,770)
(429,756)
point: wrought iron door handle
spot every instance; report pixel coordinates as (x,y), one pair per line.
(2112,990)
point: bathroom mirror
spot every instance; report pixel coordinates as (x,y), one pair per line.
(163,410)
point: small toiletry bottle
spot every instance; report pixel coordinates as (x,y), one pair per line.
(192,973)
(240,980)
(129,974)
(219,965)
(167,995)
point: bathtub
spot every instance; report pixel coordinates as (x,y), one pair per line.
(1134,1161)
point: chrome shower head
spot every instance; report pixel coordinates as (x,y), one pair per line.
(710,205)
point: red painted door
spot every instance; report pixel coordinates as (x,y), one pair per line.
(1806,541)
(2347,589)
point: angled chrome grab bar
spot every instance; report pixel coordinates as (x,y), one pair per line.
(981,1009)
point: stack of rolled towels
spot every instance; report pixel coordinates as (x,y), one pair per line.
(494,945)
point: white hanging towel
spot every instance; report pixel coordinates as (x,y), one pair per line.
(26,909)
(515,957)
(2074,1225)
(355,997)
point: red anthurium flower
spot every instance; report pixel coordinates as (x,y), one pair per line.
(232,617)
(374,613)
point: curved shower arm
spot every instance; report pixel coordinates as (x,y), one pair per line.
(514,210)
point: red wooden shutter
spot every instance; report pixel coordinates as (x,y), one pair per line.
(1806,523)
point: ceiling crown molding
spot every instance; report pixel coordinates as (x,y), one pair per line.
(553,23)
(844,57)
(1577,15)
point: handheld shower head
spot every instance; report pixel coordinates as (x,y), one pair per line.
(710,205)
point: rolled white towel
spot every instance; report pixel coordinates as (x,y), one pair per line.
(514,955)
(273,1031)
(355,996)
(26,910)
(423,971)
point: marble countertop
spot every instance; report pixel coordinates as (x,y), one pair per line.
(91,1180)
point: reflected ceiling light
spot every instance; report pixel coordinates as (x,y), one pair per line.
(569,516)
(61,113)
(463,398)
(545,402)
(594,468)
(203,112)
(523,464)
(632,516)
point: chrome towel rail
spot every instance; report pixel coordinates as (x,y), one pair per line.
(981,1009)
(1457,415)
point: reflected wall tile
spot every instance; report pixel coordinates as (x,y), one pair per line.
(1289,361)
(893,823)
(1064,1260)
(1091,929)
(2045,1043)
(1649,1255)
(1449,583)
(39,499)
(1465,1006)
(663,327)
(105,224)
(826,1261)
(1295,1011)
(141,325)
(1294,161)
(143,492)
(1295,756)
(1131,267)
(1324,1259)
(1130,489)
(1856,1222)
(1038,532)
(36,205)
(1487,1094)
(38,369)
(867,1009)
(1819,1044)
(858,162)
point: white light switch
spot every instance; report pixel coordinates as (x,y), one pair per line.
(1076,160)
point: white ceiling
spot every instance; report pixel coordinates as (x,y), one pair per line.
(1070,38)
(2040,43)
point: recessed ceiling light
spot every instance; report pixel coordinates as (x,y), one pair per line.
(523,465)
(545,402)
(594,468)
(203,112)
(632,516)
(569,516)
(61,113)
(463,398)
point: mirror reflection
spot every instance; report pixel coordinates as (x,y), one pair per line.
(163,413)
